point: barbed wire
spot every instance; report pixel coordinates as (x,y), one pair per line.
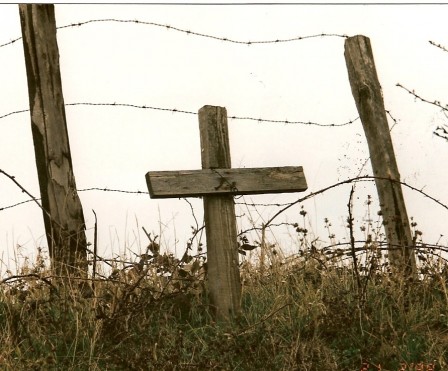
(115,104)
(79,190)
(14,113)
(10,42)
(269,222)
(254,204)
(112,190)
(105,189)
(189,32)
(175,110)
(17,204)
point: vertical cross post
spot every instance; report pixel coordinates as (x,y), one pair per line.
(217,183)
(219,214)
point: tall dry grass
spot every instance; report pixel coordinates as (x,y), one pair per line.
(309,311)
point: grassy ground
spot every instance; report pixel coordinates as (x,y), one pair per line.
(307,313)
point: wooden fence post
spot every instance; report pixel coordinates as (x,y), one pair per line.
(219,214)
(63,219)
(368,97)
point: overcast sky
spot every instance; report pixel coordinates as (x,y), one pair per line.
(303,80)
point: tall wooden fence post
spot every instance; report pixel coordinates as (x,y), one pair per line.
(219,214)
(368,97)
(63,216)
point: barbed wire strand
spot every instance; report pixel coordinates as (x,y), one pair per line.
(255,204)
(189,32)
(268,223)
(79,190)
(112,190)
(13,113)
(175,110)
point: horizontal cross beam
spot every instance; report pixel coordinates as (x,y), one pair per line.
(206,182)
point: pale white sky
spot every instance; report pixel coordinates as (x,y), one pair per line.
(302,80)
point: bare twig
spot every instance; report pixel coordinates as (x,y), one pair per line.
(46,280)
(352,239)
(364,178)
(192,212)
(95,249)
(438,45)
(434,102)
(30,195)
(264,319)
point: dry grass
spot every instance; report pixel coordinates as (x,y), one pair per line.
(306,313)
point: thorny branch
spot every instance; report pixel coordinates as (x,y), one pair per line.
(434,102)
(30,195)
(438,46)
(364,178)
(444,131)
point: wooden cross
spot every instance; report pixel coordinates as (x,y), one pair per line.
(217,183)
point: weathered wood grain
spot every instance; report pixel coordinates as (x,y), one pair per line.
(366,90)
(245,181)
(220,220)
(217,183)
(63,219)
